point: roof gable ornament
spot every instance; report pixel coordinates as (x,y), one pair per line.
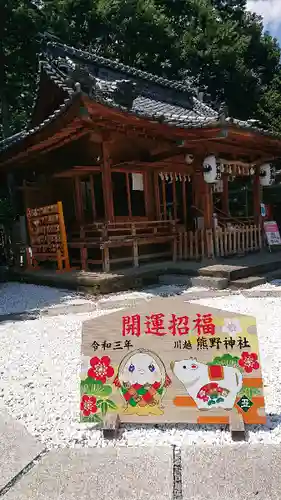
(80,77)
(223,112)
(125,92)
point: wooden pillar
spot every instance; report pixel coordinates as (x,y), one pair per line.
(25,196)
(78,199)
(203,199)
(208,205)
(150,199)
(257,197)
(196,191)
(225,194)
(157,195)
(107,183)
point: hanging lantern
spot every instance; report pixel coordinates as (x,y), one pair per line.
(211,169)
(267,174)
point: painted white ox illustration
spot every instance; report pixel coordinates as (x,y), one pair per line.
(210,386)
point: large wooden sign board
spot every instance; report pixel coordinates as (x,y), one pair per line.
(48,235)
(172,361)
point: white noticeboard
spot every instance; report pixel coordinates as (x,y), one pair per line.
(137,182)
(272,233)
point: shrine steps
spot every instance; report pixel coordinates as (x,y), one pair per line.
(252,281)
(213,282)
(238,273)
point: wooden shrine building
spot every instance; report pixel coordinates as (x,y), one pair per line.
(142,166)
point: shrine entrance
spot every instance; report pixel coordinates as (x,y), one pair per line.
(174,198)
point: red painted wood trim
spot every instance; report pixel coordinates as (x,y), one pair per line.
(128,195)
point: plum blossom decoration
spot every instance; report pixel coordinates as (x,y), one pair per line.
(231,326)
(249,361)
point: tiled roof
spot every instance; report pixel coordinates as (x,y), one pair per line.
(172,102)
(123,87)
(155,96)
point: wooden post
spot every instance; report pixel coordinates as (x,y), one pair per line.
(184,202)
(225,194)
(94,208)
(175,212)
(78,199)
(63,237)
(107,183)
(157,195)
(236,425)
(128,195)
(208,205)
(257,197)
(163,185)
(149,198)
(196,194)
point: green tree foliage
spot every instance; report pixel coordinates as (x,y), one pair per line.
(20,23)
(216,44)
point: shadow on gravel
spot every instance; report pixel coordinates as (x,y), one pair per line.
(21,298)
(23,316)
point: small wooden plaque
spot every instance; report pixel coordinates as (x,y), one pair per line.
(170,361)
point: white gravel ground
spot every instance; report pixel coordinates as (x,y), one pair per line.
(273,285)
(40,363)
(18,297)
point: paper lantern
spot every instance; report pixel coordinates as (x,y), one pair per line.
(211,169)
(267,174)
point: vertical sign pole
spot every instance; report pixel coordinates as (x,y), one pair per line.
(63,236)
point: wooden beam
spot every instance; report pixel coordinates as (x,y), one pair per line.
(116,117)
(237,147)
(70,134)
(154,127)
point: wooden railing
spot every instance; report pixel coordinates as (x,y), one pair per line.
(107,244)
(133,242)
(219,242)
